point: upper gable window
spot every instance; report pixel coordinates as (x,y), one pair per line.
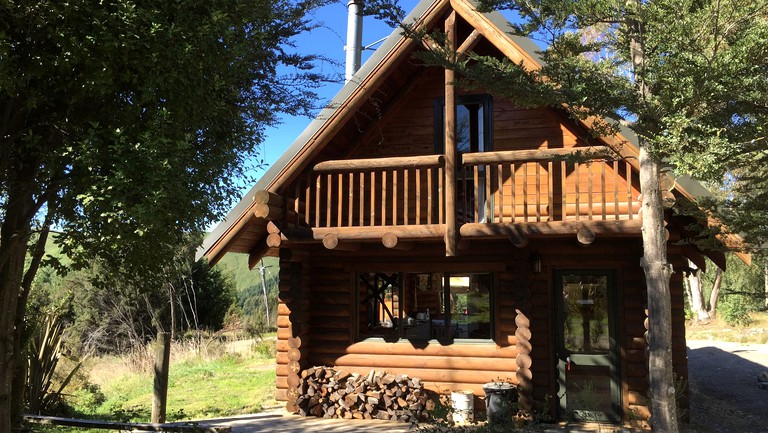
(474,133)
(473,124)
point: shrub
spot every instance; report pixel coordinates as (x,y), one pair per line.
(265,348)
(735,311)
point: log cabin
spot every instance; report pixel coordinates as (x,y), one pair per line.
(462,245)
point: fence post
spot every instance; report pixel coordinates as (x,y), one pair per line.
(160,389)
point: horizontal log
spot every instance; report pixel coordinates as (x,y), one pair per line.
(267,212)
(323,310)
(422,232)
(274,240)
(267,197)
(331,241)
(431,349)
(585,236)
(281,394)
(298,342)
(423,362)
(321,335)
(615,228)
(406,162)
(281,382)
(477,158)
(391,241)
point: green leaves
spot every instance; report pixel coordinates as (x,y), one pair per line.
(142,116)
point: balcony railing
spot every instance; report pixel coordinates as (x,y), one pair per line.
(491,187)
(512,187)
(374,192)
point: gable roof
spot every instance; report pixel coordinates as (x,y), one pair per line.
(394,50)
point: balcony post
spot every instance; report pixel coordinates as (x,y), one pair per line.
(450,144)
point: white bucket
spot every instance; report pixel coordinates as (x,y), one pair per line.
(463,405)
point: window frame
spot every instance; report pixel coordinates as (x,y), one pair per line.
(400,336)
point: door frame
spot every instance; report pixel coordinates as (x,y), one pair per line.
(613,357)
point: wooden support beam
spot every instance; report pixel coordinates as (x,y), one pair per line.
(274,240)
(463,245)
(373,233)
(267,197)
(494,34)
(692,253)
(257,254)
(470,42)
(621,228)
(478,158)
(398,162)
(331,242)
(268,212)
(585,236)
(296,233)
(274,227)
(451,232)
(391,241)
(518,237)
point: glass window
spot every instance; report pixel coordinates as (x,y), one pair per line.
(585,313)
(425,306)
(473,134)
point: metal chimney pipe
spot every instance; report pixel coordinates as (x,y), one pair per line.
(354,47)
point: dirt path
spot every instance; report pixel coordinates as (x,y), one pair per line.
(725,396)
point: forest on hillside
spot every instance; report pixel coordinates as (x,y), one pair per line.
(106,313)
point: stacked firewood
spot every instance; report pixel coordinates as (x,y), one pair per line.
(327,393)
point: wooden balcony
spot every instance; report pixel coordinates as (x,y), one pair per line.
(404,197)
(537,186)
(375,192)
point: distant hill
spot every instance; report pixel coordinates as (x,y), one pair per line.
(233,265)
(236,266)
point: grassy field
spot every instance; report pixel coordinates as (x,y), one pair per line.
(203,383)
(718,330)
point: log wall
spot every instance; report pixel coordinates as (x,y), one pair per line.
(324,315)
(521,191)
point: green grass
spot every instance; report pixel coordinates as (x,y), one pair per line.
(199,387)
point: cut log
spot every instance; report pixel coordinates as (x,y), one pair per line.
(391,241)
(341,394)
(585,236)
(274,240)
(266,197)
(268,212)
(331,242)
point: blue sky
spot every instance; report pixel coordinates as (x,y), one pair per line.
(327,40)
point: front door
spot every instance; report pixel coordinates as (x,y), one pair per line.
(588,376)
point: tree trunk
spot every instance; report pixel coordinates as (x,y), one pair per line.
(14,237)
(654,262)
(657,275)
(10,337)
(715,295)
(697,297)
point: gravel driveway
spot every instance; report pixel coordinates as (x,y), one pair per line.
(725,396)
